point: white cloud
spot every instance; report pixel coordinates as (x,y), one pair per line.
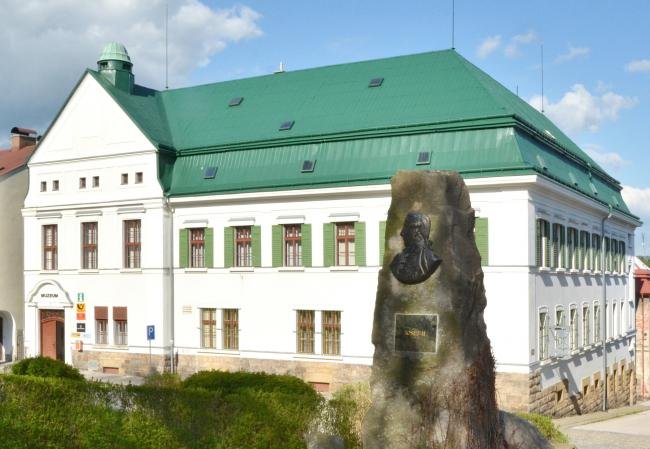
(572,53)
(637,200)
(608,159)
(512,49)
(48,44)
(488,45)
(640,65)
(580,110)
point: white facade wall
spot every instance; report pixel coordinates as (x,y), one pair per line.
(13,188)
(92,138)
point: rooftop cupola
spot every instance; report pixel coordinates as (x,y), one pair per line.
(115,65)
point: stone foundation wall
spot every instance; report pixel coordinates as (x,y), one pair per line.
(556,401)
(118,362)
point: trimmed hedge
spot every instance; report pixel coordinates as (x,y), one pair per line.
(60,413)
(46,367)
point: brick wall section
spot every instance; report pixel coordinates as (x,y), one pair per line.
(555,400)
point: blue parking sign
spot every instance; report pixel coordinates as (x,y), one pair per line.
(151,332)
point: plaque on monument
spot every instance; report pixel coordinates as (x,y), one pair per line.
(415,333)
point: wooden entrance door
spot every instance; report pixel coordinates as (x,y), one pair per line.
(52,334)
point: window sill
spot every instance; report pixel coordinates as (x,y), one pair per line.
(586,271)
(345,268)
(196,270)
(131,270)
(544,269)
(242,269)
(88,271)
(219,351)
(111,347)
(318,357)
(574,271)
(560,270)
(291,269)
(49,272)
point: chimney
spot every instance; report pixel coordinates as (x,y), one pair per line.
(22,137)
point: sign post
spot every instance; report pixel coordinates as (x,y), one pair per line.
(151,335)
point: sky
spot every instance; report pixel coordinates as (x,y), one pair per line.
(596,56)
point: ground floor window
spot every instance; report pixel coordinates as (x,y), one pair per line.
(101,325)
(209,328)
(331,321)
(230,329)
(543,335)
(121,333)
(585,326)
(305,331)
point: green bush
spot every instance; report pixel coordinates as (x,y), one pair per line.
(59,413)
(231,382)
(156,379)
(46,367)
(545,426)
(344,413)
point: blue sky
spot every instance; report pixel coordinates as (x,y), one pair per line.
(596,55)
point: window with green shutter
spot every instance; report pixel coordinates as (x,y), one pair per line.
(256,237)
(183,248)
(328,244)
(228,246)
(209,247)
(276,235)
(481,237)
(542,243)
(305,230)
(360,242)
(382,241)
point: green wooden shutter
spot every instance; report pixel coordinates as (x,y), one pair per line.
(328,244)
(360,243)
(382,241)
(481,237)
(256,237)
(183,248)
(305,232)
(547,235)
(209,245)
(276,233)
(538,242)
(228,246)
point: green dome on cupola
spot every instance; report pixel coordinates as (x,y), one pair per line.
(115,65)
(114,51)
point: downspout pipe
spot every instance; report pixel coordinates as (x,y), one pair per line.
(603,313)
(172,360)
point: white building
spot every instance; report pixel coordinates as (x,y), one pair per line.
(244,220)
(13,188)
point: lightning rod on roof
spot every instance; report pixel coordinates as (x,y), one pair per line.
(542,59)
(166,45)
(453,24)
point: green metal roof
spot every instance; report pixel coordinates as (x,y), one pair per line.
(114,51)
(436,101)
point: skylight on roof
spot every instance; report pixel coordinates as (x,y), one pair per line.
(286,125)
(308,166)
(235,101)
(424,158)
(376,82)
(210,172)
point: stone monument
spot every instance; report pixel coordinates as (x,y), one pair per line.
(433,370)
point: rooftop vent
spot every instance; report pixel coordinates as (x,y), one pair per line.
(286,125)
(376,82)
(308,166)
(541,162)
(424,158)
(210,172)
(573,179)
(280,68)
(235,101)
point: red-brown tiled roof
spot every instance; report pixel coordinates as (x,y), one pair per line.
(11,161)
(644,291)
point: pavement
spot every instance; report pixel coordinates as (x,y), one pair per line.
(620,428)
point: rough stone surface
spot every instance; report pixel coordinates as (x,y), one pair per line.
(323,441)
(446,398)
(557,401)
(520,434)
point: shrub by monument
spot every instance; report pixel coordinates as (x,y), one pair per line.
(545,426)
(46,367)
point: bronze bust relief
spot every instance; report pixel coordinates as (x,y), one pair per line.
(417,262)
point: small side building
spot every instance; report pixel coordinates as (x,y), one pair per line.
(14,180)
